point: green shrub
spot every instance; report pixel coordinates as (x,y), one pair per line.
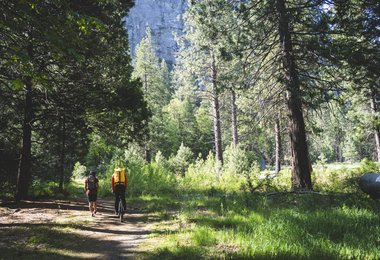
(282,181)
(182,160)
(159,179)
(366,165)
(79,171)
(46,189)
(75,188)
(201,175)
(337,178)
(235,161)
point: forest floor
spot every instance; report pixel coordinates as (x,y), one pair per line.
(65,229)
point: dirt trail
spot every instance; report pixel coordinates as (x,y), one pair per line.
(110,238)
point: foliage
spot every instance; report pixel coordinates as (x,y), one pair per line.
(367,166)
(70,62)
(202,174)
(236,161)
(240,224)
(239,173)
(182,160)
(79,171)
(66,73)
(43,189)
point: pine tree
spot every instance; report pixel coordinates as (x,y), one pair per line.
(156,84)
(202,51)
(357,48)
(59,58)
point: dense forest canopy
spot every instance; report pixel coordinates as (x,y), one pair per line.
(256,82)
(65,79)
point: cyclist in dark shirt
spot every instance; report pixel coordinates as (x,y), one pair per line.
(91,186)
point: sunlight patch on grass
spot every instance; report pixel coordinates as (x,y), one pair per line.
(287,227)
(202,236)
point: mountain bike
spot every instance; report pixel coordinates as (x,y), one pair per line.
(121,210)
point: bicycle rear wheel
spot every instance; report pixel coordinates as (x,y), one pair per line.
(121,211)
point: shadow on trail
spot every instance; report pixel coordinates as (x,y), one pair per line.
(47,204)
(33,241)
(78,236)
(132,215)
(79,227)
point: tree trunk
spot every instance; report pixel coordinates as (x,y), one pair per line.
(233,119)
(63,152)
(277,130)
(337,145)
(301,168)
(216,115)
(376,129)
(24,169)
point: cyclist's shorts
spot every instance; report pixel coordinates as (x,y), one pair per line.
(119,188)
(92,197)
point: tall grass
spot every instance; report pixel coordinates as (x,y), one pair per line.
(218,216)
(286,226)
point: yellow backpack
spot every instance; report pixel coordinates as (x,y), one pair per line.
(119,176)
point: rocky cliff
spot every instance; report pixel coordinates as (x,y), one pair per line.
(164,17)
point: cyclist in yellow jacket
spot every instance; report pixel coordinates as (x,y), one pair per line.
(119,185)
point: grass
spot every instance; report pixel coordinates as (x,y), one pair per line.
(285,226)
(339,222)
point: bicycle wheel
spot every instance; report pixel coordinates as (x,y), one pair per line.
(121,211)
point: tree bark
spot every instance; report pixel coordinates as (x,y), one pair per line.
(301,167)
(277,130)
(233,119)
(24,169)
(216,115)
(63,152)
(337,145)
(376,130)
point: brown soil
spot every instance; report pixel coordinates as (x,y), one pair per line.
(110,238)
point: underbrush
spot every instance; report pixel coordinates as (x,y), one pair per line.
(278,226)
(50,189)
(223,217)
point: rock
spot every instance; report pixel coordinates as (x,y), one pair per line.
(164,17)
(370,183)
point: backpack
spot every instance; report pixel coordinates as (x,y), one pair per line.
(91,185)
(119,176)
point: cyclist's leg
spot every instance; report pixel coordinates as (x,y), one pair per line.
(121,208)
(89,202)
(94,202)
(123,200)
(117,199)
(90,206)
